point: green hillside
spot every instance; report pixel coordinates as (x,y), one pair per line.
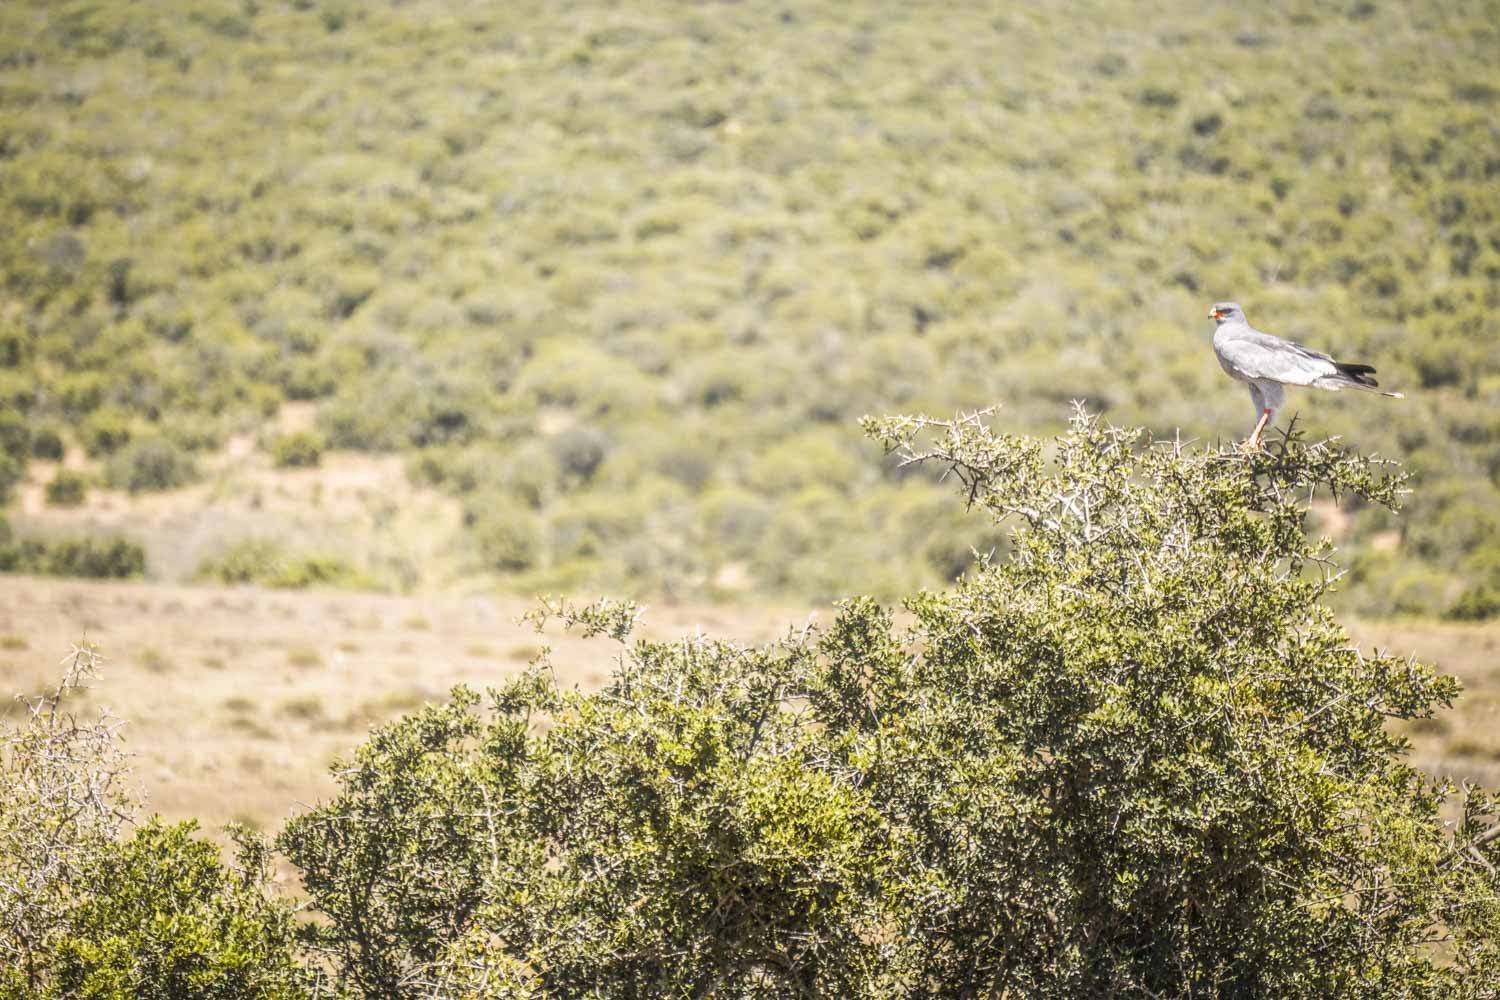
(622,276)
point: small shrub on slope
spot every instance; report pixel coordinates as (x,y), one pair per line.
(67,488)
(300,449)
(149,464)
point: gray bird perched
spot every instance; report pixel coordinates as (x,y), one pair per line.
(1267,363)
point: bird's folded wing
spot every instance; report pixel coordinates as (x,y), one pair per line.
(1261,356)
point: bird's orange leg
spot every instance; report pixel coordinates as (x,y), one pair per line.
(1254,440)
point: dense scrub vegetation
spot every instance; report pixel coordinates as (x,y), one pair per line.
(263,561)
(100,556)
(1136,757)
(622,275)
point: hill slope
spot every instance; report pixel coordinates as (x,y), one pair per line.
(621,276)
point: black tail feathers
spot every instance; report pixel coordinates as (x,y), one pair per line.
(1357,373)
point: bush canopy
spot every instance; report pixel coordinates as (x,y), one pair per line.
(1136,756)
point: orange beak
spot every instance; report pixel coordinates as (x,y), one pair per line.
(1214,314)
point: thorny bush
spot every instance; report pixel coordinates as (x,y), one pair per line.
(1133,756)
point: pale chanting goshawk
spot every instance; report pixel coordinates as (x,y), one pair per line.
(1266,363)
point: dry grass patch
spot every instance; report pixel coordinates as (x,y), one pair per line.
(245,726)
(307,708)
(304,657)
(154,661)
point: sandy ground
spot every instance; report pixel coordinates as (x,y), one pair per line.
(1462,744)
(237,700)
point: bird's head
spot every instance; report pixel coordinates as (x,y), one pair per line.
(1226,312)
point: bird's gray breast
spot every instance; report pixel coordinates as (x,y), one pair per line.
(1224,350)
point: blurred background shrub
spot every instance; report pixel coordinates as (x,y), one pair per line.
(300,449)
(149,464)
(97,556)
(67,488)
(264,562)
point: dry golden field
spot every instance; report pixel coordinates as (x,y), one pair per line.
(237,700)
